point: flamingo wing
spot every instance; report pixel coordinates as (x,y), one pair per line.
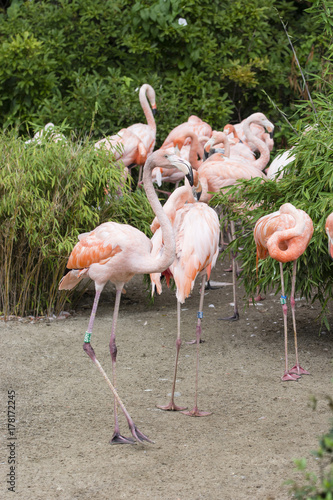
(104,242)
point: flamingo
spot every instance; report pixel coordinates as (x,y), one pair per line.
(218,172)
(258,130)
(189,152)
(197,126)
(242,152)
(284,235)
(117,252)
(196,228)
(329,232)
(134,144)
(275,169)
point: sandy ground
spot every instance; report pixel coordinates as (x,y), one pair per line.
(244,450)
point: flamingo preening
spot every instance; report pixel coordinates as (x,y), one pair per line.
(117,252)
(285,235)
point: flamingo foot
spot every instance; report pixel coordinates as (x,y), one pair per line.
(195,341)
(117,438)
(196,413)
(288,376)
(299,370)
(229,270)
(172,407)
(235,317)
(138,435)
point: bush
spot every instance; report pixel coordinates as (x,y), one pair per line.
(49,193)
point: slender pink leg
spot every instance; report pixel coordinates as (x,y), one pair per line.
(235,316)
(195,412)
(117,438)
(297,368)
(87,347)
(172,406)
(286,376)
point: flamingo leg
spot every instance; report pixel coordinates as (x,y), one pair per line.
(117,438)
(297,368)
(88,349)
(172,406)
(195,412)
(286,376)
(235,316)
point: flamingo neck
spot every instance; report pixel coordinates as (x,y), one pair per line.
(194,149)
(145,105)
(154,264)
(262,147)
(281,245)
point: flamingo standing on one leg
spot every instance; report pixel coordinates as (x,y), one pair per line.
(117,252)
(285,235)
(196,228)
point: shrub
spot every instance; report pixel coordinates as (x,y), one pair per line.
(49,193)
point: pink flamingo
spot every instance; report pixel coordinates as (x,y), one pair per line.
(219,172)
(198,126)
(284,235)
(134,144)
(196,228)
(240,151)
(190,153)
(258,130)
(117,252)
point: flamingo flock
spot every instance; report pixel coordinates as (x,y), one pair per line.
(186,231)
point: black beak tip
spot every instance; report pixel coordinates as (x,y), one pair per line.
(189,177)
(271,134)
(154,111)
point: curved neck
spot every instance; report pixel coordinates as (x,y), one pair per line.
(145,105)
(194,150)
(262,147)
(152,264)
(280,245)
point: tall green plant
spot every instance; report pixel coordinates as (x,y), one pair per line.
(307,183)
(49,193)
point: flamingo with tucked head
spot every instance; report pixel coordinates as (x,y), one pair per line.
(285,235)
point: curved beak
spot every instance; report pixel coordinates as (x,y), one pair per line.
(189,175)
(154,110)
(182,165)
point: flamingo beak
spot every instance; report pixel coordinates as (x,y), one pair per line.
(189,176)
(154,110)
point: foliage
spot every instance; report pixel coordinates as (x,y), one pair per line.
(49,193)
(307,183)
(202,57)
(317,488)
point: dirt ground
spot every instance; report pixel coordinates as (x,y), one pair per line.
(244,450)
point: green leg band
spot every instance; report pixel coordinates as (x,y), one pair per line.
(87,338)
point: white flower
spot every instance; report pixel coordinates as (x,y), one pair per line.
(182,21)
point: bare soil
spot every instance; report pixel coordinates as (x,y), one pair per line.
(244,450)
